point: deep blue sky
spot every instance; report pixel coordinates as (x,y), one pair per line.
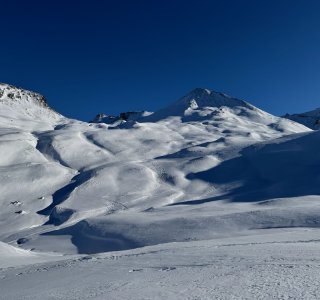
(94,56)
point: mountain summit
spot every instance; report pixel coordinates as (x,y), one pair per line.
(19,105)
(200,97)
(11,95)
(212,112)
(201,103)
(220,112)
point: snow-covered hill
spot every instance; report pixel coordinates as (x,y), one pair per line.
(25,109)
(206,171)
(310,119)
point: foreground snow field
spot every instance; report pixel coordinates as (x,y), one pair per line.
(278,264)
(209,198)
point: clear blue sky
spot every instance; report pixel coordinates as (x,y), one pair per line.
(94,56)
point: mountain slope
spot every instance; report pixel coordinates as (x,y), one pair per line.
(208,167)
(309,119)
(21,108)
(77,170)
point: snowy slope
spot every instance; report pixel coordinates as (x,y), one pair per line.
(25,109)
(204,104)
(205,170)
(310,119)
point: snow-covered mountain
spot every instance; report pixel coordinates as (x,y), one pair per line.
(207,107)
(310,119)
(21,108)
(214,173)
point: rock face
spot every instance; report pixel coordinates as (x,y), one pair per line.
(103,118)
(121,118)
(310,119)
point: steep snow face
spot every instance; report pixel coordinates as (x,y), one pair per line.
(310,119)
(21,108)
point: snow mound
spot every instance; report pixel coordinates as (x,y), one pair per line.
(11,256)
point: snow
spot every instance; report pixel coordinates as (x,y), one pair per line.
(25,109)
(310,119)
(277,266)
(207,198)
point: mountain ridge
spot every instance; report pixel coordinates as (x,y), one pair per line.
(311,118)
(19,105)
(17,94)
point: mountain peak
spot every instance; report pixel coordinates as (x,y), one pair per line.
(10,94)
(19,104)
(200,91)
(201,97)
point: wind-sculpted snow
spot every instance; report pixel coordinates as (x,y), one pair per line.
(208,167)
